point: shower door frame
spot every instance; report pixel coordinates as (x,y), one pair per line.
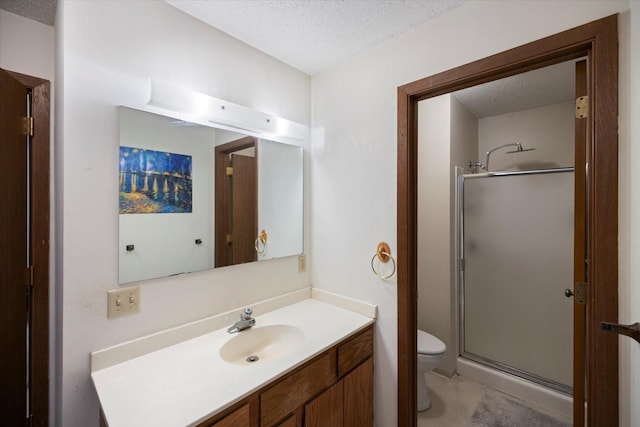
(461,278)
(597,40)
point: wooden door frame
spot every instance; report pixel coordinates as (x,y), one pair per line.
(40,205)
(599,41)
(221,205)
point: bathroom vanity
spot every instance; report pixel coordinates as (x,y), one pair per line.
(333,389)
(314,367)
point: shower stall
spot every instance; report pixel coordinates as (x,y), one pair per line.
(515,259)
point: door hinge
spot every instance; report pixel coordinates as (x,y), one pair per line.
(582,107)
(28,126)
(29,276)
(229,239)
(229,171)
(581,293)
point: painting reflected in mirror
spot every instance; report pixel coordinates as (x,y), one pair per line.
(154,181)
(195,197)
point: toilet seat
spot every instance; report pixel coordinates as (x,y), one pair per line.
(430,345)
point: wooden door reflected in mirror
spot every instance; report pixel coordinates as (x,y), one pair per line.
(236,202)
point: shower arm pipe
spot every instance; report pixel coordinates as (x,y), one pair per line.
(513,144)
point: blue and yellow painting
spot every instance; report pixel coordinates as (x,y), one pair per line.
(154,181)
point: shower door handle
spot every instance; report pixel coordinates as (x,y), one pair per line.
(632,331)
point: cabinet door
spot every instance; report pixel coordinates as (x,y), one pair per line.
(289,422)
(358,396)
(326,410)
(239,418)
(292,392)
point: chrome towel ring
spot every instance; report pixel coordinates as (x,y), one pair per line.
(383,253)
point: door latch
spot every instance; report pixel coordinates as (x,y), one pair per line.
(580,293)
(632,331)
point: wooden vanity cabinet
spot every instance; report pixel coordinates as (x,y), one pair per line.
(243,414)
(294,420)
(238,418)
(348,403)
(358,396)
(335,389)
(326,410)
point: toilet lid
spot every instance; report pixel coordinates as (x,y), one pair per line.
(428,344)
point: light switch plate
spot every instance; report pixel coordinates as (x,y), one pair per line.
(302,263)
(123,301)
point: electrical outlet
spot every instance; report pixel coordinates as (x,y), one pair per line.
(123,301)
(302,263)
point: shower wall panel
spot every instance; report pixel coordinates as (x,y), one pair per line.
(518,257)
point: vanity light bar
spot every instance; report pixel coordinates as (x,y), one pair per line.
(209,111)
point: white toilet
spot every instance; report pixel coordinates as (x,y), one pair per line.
(430,353)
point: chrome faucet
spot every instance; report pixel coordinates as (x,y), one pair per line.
(245,322)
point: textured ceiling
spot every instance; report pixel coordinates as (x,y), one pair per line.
(43,11)
(545,86)
(312,35)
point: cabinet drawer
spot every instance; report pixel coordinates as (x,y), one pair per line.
(287,395)
(355,351)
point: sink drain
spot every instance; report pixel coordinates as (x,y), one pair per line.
(251,359)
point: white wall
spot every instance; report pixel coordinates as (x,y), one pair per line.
(633,314)
(106,51)
(434,274)
(447,137)
(464,148)
(165,243)
(548,129)
(464,135)
(18,36)
(354,123)
(629,234)
(280,177)
(26,46)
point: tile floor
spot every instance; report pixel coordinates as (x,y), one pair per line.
(454,403)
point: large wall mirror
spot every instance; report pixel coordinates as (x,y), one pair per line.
(194,197)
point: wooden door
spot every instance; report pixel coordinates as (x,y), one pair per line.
(326,410)
(14,252)
(579,253)
(226,184)
(358,396)
(244,206)
(24,241)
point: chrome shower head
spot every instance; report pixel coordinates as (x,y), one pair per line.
(519,149)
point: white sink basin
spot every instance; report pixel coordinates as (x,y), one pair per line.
(266,342)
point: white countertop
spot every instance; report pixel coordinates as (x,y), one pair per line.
(188,382)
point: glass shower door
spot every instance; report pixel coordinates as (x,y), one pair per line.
(517,253)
